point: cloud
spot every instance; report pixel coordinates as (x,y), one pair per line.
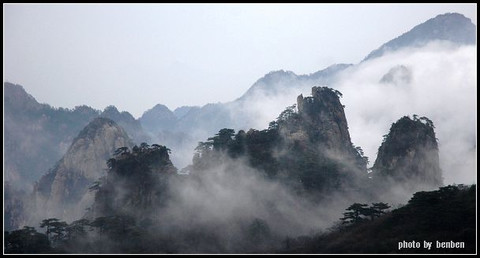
(224,200)
(442,88)
(441,85)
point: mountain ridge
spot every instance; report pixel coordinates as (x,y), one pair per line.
(453,27)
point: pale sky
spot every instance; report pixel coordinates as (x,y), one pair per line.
(135,56)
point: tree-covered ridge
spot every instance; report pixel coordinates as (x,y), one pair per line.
(108,234)
(359,212)
(308,149)
(444,215)
(256,146)
(136,180)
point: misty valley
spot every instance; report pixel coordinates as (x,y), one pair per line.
(275,171)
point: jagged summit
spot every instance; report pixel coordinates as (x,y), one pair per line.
(324,113)
(309,150)
(452,27)
(322,119)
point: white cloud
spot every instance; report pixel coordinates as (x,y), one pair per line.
(443,88)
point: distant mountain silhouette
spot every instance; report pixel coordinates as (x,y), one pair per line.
(41,134)
(453,27)
(281,84)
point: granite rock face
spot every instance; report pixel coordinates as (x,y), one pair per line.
(409,155)
(64,190)
(324,116)
(317,137)
(323,119)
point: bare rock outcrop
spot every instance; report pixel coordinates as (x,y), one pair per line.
(63,192)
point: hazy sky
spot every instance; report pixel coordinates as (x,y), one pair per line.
(136,56)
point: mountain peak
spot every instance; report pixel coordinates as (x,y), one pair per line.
(17,98)
(275,77)
(278,73)
(324,115)
(159,117)
(409,154)
(453,27)
(91,129)
(182,111)
(85,161)
(161,107)
(127,122)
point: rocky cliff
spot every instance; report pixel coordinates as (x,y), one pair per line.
(408,155)
(323,119)
(309,149)
(321,122)
(63,192)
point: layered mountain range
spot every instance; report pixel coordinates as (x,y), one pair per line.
(26,120)
(307,147)
(136,197)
